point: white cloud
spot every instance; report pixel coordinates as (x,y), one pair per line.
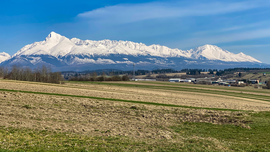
(248,46)
(223,38)
(247,35)
(128,13)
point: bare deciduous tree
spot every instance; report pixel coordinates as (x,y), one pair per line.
(42,74)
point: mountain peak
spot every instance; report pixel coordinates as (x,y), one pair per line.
(208,47)
(54,36)
(212,52)
(241,53)
(4,56)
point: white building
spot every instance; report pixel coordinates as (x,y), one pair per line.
(179,80)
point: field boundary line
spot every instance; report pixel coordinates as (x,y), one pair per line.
(196,90)
(120,100)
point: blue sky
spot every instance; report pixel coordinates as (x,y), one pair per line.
(234,25)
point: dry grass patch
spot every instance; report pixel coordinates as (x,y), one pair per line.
(39,122)
(144,94)
(101,118)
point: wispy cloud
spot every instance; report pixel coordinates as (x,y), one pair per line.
(246,26)
(225,38)
(246,47)
(240,36)
(128,13)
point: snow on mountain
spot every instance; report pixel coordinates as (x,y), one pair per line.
(4,56)
(59,46)
(212,52)
(54,44)
(62,53)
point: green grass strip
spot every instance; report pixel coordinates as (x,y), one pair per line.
(206,86)
(120,100)
(196,90)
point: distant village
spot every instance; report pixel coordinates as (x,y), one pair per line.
(237,77)
(219,81)
(211,81)
(256,78)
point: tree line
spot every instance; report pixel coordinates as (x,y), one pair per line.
(94,77)
(42,74)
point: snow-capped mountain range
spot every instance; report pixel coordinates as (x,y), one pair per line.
(75,54)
